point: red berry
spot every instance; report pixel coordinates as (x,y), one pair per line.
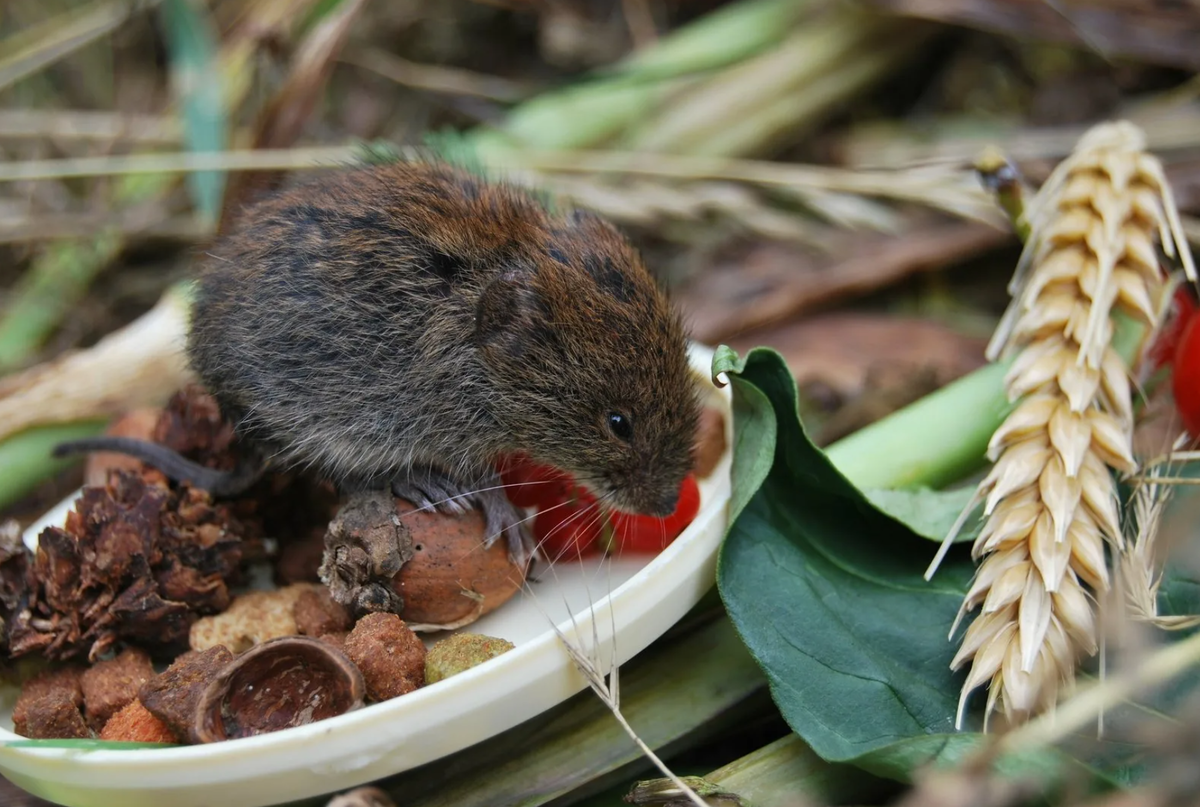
(634,533)
(1183,310)
(1185,376)
(530,484)
(570,529)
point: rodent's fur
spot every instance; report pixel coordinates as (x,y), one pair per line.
(415,321)
(413,315)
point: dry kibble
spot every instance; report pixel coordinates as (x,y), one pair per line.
(136,724)
(172,695)
(461,652)
(338,639)
(391,657)
(109,686)
(251,619)
(54,716)
(316,614)
(63,681)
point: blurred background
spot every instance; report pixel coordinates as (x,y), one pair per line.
(798,172)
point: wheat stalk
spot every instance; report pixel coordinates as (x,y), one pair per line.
(1050,498)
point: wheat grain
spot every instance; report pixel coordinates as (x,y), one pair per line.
(1050,498)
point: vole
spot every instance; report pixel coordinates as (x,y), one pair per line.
(409,324)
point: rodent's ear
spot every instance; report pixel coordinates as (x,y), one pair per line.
(506,312)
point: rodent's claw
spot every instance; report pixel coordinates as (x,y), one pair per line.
(430,490)
(504,519)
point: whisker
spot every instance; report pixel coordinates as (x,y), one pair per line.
(473,492)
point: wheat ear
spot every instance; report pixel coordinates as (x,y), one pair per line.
(1050,498)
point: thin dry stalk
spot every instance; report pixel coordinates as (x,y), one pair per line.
(1139,568)
(1050,499)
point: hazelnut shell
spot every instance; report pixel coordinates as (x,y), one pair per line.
(281,683)
(451,579)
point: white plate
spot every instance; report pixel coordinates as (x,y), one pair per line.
(639,600)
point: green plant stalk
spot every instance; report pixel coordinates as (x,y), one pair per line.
(721,37)
(943,437)
(774,775)
(934,442)
(26,460)
(791,114)
(192,45)
(783,72)
(592,112)
(61,274)
(46,292)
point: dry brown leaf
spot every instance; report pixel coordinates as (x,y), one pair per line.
(775,282)
(850,351)
(1158,33)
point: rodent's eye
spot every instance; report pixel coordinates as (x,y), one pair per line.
(620,425)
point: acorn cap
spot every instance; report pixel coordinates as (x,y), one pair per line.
(281,683)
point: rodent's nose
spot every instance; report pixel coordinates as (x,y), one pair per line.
(666,505)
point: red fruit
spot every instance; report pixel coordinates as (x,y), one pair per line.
(1183,311)
(570,529)
(529,484)
(634,533)
(1185,376)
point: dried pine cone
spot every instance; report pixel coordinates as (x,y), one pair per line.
(136,561)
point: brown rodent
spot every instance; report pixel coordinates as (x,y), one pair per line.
(411,323)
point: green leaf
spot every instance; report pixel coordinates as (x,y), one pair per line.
(754,443)
(827,592)
(930,513)
(192,46)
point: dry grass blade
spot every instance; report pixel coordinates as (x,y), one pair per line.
(956,140)
(61,36)
(609,692)
(1050,498)
(436,78)
(88,126)
(179,163)
(284,118)
(948,188)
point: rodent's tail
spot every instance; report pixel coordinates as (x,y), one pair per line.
(174,465)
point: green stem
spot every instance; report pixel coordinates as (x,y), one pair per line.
(26,457)
(934,442)
(592,112)
(47,292)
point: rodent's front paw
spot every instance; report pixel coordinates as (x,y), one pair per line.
(428,489)
(504,519)
(432,490)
